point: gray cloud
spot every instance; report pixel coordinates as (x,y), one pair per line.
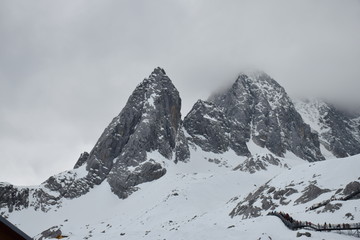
(68,67)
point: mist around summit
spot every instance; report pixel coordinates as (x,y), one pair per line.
(248,155)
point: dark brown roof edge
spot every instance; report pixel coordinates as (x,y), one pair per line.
(14,228)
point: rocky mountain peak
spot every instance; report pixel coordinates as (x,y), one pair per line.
(338,132)
(157,79)
(255,110)
(150,121)
(158,71)
(258,109)
(261,85)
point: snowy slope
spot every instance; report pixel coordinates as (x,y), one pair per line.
(193,201)
(299,189)
(339,135)
(213,175)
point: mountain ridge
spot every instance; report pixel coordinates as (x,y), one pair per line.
(251,128)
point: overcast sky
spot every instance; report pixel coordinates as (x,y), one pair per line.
(68,67)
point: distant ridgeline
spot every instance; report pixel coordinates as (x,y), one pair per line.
(254,118)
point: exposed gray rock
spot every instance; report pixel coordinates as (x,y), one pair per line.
(341,138)
(352,191)
(68,185)
(299,234)
(150,121)
(82,159)
(146,172)
(182,152)
(310,193)
(282,194)
(51,233)
(265,198)
(338,132)
(331,207)
(259,162)
(256,107)
(349,216)
(212,131)
(13,198)
(269,197)
(246,207)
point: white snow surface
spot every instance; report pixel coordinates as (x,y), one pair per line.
(309,111)
(193,201)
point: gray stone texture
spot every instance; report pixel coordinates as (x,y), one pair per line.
(254,108)
(342,139)
(150,121)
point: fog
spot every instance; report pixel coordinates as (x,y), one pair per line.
(68,67)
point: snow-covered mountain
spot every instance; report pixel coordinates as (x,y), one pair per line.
(338,133)
(254,109)
(235,157)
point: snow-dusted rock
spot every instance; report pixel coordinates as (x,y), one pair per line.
(259,162)
(150,121)
(243,151)
(338,133)
(307,188)
(210,129)
(82,159)
(255,108)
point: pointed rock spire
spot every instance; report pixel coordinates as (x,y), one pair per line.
(256,108)
(150,121)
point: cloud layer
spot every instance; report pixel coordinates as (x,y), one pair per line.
(68,67)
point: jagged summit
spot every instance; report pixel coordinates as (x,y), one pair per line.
(210,129)
(254,111)
(150,121)
(339,134)
(256,108)
(250,135)
(256,83)
(158,71)
(157,79)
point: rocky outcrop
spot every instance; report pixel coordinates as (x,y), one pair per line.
(51,233)
(13,198)
(82,159)
(338,133)
(255,108)
(150,122)
(212,131)
(269,197)
(259,162)
(69,184)
(310,193)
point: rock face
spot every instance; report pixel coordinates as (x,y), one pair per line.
(338,132)
(259,162)
(13,198)
(289,191)
(254,108)
(213,131)
(82,159)
(150,121)
(49,194)
(51,233)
